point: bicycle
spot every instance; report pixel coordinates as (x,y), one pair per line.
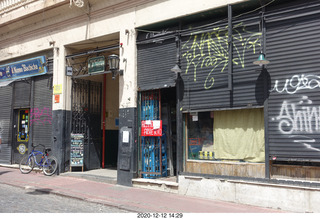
(49,164)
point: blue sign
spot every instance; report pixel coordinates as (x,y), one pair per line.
(23,69)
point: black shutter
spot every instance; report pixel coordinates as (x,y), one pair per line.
(41,113)
(205,66)
(155,58)
(5,125)
(22,94)
(294,113)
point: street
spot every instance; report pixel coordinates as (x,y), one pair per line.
(30,200)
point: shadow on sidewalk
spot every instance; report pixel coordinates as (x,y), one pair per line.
(39,192)
(4,172)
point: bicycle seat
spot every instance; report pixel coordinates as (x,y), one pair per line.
(47,150)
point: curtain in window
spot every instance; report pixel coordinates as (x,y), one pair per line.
(239,135)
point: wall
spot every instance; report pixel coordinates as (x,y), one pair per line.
(255,170)
(282,197)
(63,25)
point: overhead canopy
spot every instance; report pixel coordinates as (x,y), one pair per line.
(5,83)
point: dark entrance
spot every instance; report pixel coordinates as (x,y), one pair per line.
(86,119)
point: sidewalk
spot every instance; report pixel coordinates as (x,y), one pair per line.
(129,198)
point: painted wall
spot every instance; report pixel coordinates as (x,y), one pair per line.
(56,25)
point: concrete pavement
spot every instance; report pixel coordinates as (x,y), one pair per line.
(128,198)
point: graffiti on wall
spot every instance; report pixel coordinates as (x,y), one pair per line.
(210,50)
(296,83)
(298,117)
(41,116)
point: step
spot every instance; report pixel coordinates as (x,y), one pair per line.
(156,184)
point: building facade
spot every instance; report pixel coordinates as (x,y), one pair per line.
(186,101)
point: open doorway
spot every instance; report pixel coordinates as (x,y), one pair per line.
(90,112)
(157,114)
(95,109)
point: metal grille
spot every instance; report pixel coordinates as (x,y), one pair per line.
(153,149)
(86,119)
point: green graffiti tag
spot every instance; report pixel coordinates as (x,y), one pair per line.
(210,50)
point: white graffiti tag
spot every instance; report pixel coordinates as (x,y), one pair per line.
(296,83)
(305,141)
(299,118)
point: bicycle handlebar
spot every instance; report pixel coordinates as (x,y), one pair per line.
(45,150)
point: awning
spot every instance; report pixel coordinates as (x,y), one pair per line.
(5,83)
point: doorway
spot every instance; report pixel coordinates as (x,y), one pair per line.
(157,154)
(95,100)
(86,120)
(89,115)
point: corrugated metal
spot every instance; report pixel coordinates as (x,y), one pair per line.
(41,113)
(5,123)
(22,93)
(293,107)
(205,66)
(154,62)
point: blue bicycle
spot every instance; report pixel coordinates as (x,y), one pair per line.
(48,164)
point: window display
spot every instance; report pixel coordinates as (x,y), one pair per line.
(23,126)
(226,135)
(200,135)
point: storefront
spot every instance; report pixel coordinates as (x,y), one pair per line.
(293,103)
(157,143)
(26,105)
(238,119)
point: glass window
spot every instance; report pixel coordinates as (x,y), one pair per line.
(200,135)
(228,135)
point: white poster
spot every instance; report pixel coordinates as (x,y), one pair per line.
(125,137)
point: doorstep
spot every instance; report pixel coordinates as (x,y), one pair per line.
(162,184)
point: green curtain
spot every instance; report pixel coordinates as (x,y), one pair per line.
(239,135)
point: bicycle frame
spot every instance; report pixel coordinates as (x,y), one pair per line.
(35,153)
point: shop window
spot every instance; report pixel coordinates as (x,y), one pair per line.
(229,135)
(23,125)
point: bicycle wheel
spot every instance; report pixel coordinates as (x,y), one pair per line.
(26,164)
(50,165)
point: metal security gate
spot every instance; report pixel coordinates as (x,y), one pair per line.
(293,106)
(86,119)
(153,148)
(5,124)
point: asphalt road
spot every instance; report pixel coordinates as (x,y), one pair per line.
(29,200)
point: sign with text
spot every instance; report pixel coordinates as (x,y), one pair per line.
(76,150)
(24,69)
(151,128)
(96,64)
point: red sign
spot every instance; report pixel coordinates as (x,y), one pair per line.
(151,128)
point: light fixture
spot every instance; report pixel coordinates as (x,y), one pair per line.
(261,60)
(113,62)
(176,69)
